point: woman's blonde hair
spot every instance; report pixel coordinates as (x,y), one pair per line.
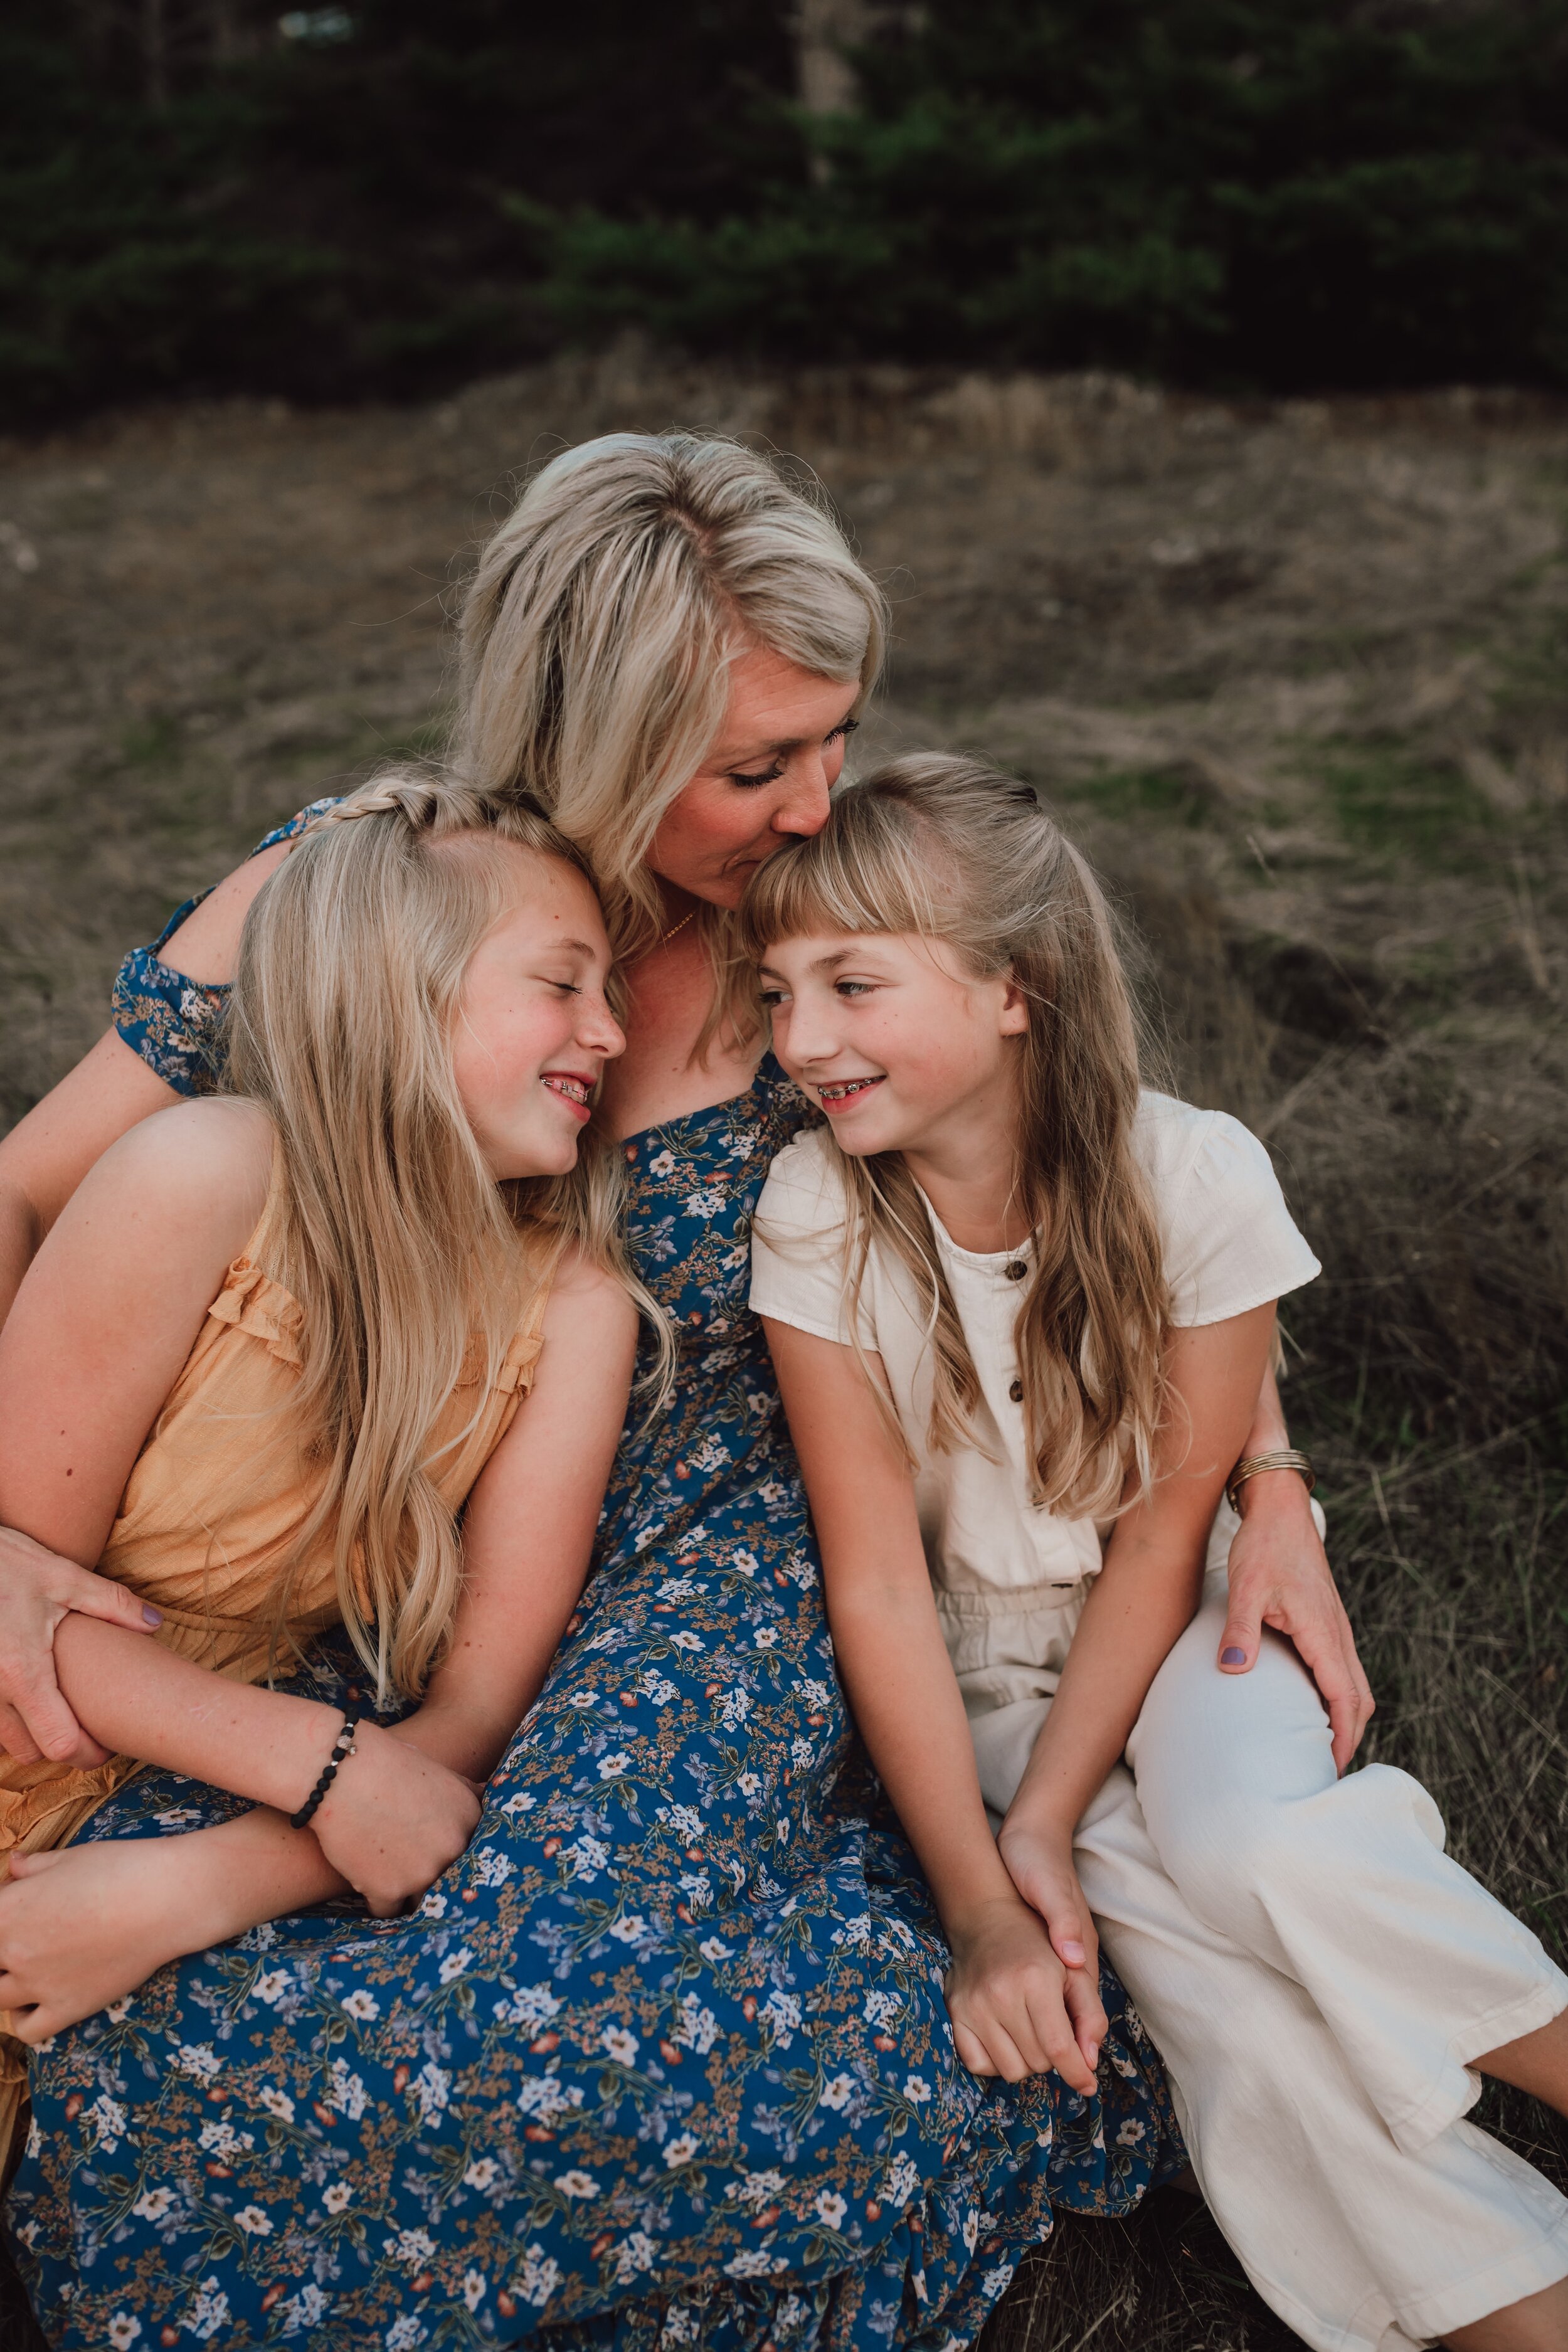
(390,1229)
(597,634)
(951,850)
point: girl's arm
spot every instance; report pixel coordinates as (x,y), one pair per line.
(1017,2009)
(528,1529)
(1143,1598)
(81,1928)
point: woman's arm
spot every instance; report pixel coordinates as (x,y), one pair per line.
(47,1154)
(1017,2009)
(1280,1576)
(1143,1598)
(528,1529)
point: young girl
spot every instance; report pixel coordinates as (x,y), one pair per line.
(276,1342)
(1020,1311)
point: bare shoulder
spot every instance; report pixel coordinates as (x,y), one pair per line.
(207,945)
(208,1161)
(586,1293)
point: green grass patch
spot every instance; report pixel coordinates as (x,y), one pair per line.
(1393,804)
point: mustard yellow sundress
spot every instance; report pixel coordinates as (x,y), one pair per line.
(208,1557)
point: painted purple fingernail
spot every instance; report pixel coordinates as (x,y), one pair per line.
(1233,1658)
(150,1616)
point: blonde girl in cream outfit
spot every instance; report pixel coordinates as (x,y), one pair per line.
(274,1344)
(1019,1309)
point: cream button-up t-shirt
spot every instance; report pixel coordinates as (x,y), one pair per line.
(1008,1576)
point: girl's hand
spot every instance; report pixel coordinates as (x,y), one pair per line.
(1280,1576)
(1016,2009)
(38,1588)
(1040,1864)
(393,1820)
(83,1928)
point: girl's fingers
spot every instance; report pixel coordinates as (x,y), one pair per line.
(972,2051)
(1087,2012)
(1059,2048)
(1009,2060)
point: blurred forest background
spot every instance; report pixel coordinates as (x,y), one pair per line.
(1250,195)
(1196,378)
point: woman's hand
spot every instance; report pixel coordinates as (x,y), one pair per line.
(38,1588)
(83,1928)
(1280,1576)
(1016,2009)
(393,1819)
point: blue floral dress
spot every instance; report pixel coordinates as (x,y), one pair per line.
(662,2061)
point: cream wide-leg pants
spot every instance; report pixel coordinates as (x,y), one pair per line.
(1316,1973)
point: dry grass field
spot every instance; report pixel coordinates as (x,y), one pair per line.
(1296,675)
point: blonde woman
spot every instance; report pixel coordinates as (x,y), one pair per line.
(1019,1304)
(668,2042)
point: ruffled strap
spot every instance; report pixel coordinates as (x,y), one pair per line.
(251,1301)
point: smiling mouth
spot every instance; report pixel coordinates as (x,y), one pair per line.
(846,1091)
(578,1091)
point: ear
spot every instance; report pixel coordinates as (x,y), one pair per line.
(1013,1018)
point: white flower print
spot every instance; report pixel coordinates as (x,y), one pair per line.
(917,2090)
(405,2332)
(540,2276)
(109,2118)
(253,2221)
(454,1965)
(589,1856)
(153,2204)
(687,1641)
(612,1767)
(473,2289)
(531,2007)
(272,1986)
(633,2255)
(621,2043)
(837,2091)
(276,2103)
(714,1947)
(902,2181)
(576,2184)
(122,2331)
(432,2088)
(782,2011)
(628,1930)
(199,2059)
(520,1803)
(831,2209)
(414,2247)
(757,2187)
(547,2097)
(698,2027)
(208,2312)
(221,2140)
(748,1783)
(491,1867)
(482,2173)
(336,2196)
(361,2004)
(680,2150)
(347,2093)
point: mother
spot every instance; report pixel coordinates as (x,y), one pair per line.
(669,2043)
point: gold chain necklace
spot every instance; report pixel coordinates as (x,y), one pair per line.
(666,937)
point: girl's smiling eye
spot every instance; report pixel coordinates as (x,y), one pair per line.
(853,987)
(773,997)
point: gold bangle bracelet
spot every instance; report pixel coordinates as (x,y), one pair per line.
(1286,1457)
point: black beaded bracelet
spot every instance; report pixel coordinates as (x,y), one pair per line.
(343,1749)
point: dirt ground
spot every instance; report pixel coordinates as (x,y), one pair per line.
(1297,677)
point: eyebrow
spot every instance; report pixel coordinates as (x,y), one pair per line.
(819,963)
(723,757)
(571,946)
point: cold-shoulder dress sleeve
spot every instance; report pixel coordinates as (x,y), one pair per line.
(171,1021)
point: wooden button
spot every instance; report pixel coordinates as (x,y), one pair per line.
(1016,1271)
(1017,1392)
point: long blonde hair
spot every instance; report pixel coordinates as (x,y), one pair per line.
(390,1230)
(597,635)
(949,849)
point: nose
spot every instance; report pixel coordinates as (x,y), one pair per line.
(599,1030)
(804,809)
(809,1037)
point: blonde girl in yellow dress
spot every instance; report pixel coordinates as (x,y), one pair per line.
(274,1344)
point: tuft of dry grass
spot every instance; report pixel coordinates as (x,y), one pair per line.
(1296,675)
